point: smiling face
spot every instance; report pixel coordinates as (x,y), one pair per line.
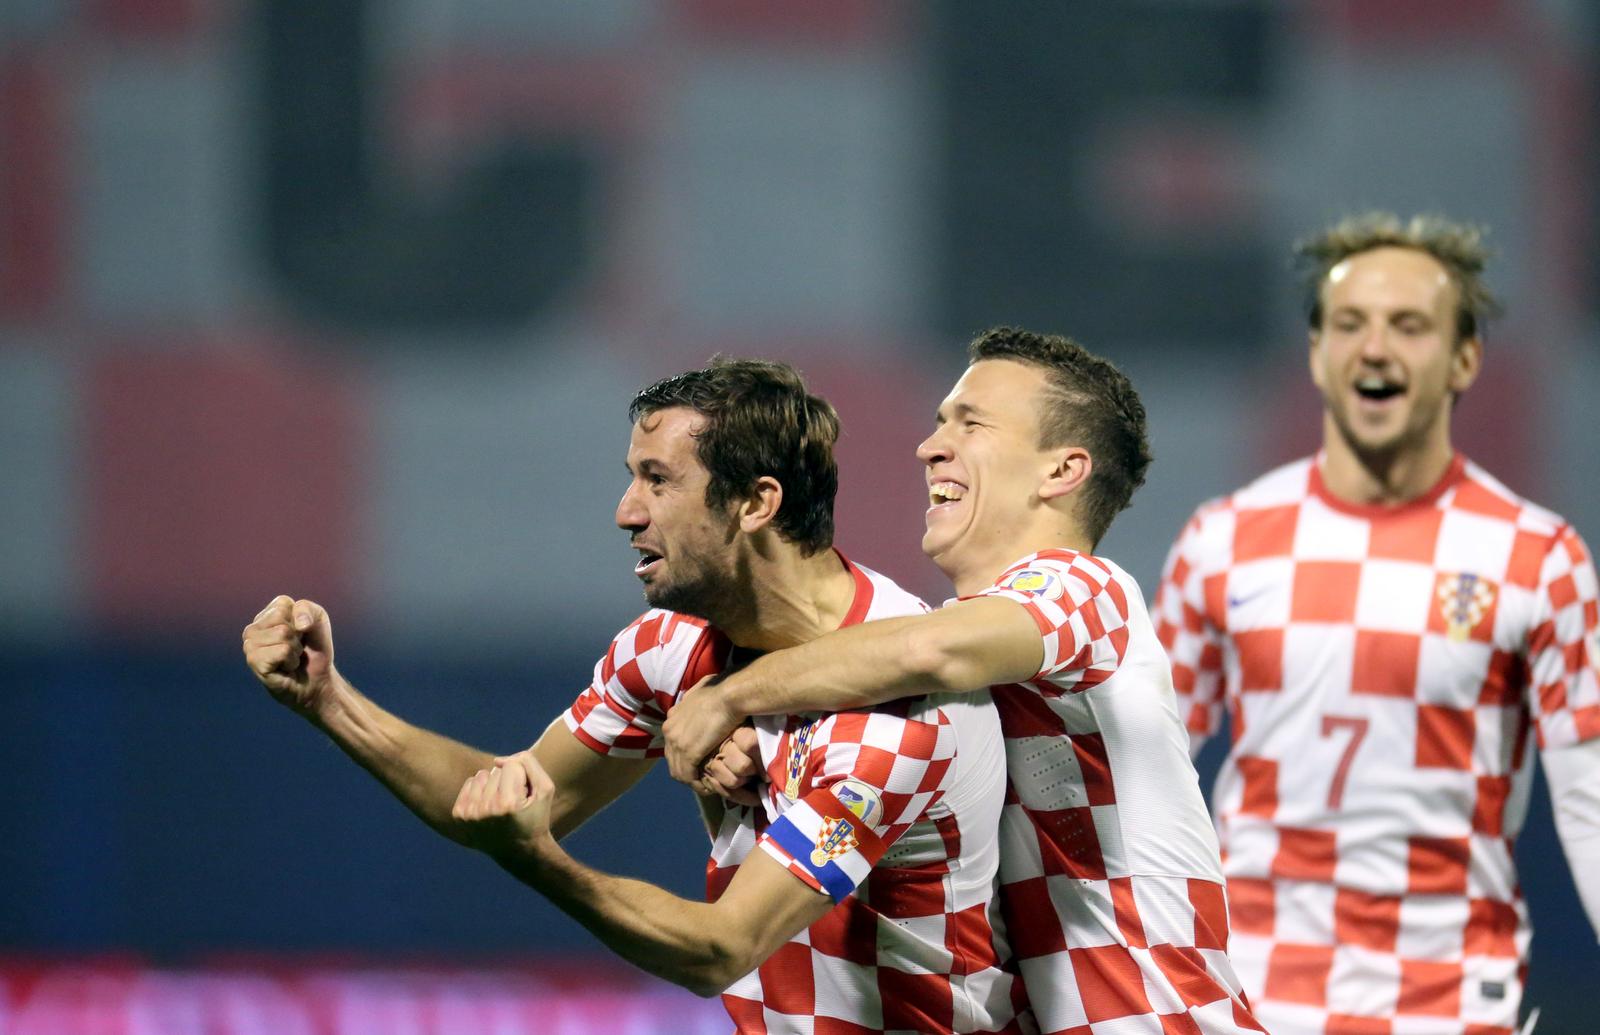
(984,471)
(1386,357)
(686,551)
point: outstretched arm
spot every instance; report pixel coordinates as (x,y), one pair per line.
(967,645)
(703,947)
(289,647)
(1573,775)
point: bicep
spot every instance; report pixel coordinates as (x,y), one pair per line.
(586,780)
(982,642)
(766,904)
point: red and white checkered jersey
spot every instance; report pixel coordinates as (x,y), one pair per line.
(892,811)
(1110,877)
(1385,671)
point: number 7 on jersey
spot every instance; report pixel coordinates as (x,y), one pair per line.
(1357,729)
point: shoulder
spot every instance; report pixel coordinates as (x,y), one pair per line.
(886,597)
(1068,577)
(1481,493)
(665,651)
(1285,486)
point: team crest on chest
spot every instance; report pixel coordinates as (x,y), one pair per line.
(795,764)
(1463,600)
(1032,580)
(837,837)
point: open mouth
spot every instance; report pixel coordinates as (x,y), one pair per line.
(943,495)
(648,560)
(1377,389)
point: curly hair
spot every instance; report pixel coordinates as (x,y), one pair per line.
(1458,247)
(760,421)
(1088,402)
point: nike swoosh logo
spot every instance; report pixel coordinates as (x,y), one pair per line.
(1240,601)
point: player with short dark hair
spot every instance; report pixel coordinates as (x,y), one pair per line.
(804,927)
(1110,880)
(1389,629)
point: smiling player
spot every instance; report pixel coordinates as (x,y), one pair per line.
(1388,627)
(1109,871)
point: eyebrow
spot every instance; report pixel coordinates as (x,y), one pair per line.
(647,465)
(959,410)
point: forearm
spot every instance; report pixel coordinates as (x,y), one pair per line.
(966,646)
(1573,775)
(684,942)
(423,769)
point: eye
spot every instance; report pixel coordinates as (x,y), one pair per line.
(1412,326)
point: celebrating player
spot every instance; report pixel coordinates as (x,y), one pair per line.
(1387,626)
(730,506)
(1111,881)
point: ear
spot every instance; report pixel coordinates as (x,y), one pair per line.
(1071,469)
(760,508)
(1465,362)
(1313,339)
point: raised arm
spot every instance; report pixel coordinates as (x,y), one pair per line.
(704,947)
(964,646)
(289,647)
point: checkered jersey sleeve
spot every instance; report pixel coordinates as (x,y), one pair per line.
(1564,646)
(637,681)
(870,776)
(1081,612)
(1191,641)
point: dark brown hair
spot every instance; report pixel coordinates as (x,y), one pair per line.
(1090,403)
(760,421)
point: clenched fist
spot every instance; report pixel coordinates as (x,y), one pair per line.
(289,647)
(507,806)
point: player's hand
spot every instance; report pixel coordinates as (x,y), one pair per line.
(289,647)
(696,726)
(734,772)
(507,807)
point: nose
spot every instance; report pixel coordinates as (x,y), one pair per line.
(632,514)
(933,449)
(1375,345)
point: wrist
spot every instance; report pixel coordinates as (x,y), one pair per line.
(334,707)
(730,699)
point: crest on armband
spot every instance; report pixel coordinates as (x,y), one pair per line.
(1034,582)
(1463,601)
(837,837)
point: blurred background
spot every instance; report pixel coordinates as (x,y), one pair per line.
(347,300)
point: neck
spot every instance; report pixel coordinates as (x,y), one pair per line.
(974,574)
(793,599)
(1382,477)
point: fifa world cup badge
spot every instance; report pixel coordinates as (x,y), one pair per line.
(799,751)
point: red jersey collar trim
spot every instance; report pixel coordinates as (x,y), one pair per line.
(862,603)
(1447,481)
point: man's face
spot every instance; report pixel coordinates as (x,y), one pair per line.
(1386,358)
(984,464)
(686,556)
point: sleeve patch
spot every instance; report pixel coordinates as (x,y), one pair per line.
(860,800)
(1035,582)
